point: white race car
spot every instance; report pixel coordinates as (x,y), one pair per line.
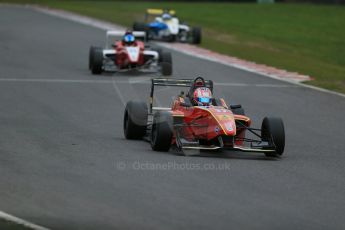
(164,25)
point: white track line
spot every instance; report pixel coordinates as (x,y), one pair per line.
(77,18)
(27,224)
(111,26)
(133,81)
(188,49)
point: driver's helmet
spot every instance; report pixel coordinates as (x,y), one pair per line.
(202,96)
(166,16)
(128,38)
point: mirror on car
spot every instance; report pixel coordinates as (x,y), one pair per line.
(235,106)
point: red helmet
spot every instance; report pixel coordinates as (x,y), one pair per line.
(202,96)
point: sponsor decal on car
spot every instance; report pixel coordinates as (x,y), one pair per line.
(228,126)
(223,117)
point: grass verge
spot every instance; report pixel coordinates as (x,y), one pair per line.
(304,38)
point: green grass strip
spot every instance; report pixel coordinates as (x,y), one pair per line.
(304,38)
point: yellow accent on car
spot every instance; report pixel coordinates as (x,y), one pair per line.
(159,11)
(217,119)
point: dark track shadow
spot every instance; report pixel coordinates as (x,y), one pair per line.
(227,155)
(224,154)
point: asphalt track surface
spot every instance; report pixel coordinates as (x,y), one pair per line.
(61,144)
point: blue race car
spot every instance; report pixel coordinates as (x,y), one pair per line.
(163,25)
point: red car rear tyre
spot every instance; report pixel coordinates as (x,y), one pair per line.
(135,120)
(161,133)
(166,64)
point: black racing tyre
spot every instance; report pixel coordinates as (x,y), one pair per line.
(196,35)
(97,61)
(159,50)
(139,26)
(166,64)
(91,56)
(272,130)
(135,120)
(162,131)
(171,38)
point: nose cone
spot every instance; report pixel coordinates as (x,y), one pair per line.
(226,120)
(229,127)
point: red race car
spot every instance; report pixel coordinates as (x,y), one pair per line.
(197,120)
(127,51)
